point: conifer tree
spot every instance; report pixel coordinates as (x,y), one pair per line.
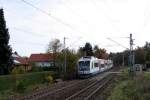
(6,60)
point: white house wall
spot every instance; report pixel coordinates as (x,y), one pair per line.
(44,64)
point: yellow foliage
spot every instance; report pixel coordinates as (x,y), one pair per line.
(49,79)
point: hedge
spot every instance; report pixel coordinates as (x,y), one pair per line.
(8,81)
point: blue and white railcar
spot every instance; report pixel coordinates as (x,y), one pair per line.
(90,65)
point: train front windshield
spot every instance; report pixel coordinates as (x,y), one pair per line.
(84,65)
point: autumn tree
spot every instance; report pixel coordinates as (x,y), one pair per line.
(54,47)
(100,53)
(6,60)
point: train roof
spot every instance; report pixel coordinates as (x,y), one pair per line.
(91,58)
(88,58)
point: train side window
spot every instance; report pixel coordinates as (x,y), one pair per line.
(95,64)
(102,65)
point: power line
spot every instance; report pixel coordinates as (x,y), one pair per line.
(110,45)
(119,37)
(39,9)
(72,44)
(147,7)
(77,14)
(25,18)
(108,18)
(28,43)
(28,32)
(118,43)
(55,18)
(147,16)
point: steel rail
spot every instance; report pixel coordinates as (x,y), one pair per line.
(98,89)
(93,85)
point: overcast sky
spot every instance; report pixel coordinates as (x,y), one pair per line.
(80,21)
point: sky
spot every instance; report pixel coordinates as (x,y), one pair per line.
(80,21)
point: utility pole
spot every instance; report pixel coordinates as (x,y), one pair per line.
(131,58)
(65,57)
(121,46)
(123,59)
(131,55)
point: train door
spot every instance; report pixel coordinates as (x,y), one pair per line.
(92,66)
(99,65)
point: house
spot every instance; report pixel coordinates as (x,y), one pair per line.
(41,60)
(21,62)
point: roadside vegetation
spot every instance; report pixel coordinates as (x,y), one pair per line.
(21,84)
(132,88)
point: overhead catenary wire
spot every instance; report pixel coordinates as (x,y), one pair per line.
(22,30)
(85,21)
(118,43)
(28,32)
(71,44)
(145,13)
(53,17)
(28,43)
(107,17)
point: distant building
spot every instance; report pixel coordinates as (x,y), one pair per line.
(41,60)
(21,62)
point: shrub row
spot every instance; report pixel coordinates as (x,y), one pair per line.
(137,88)
(9,81)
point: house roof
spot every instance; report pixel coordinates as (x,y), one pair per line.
(40,57)
(21,60)
(18,60)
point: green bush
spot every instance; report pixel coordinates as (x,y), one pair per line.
(125,73)
(9,81)
(20,86)
(137,88)
(36,69)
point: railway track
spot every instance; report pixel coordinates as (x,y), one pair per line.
(67,90)
(100,89)
(89,92)
(46,89)
(56,93)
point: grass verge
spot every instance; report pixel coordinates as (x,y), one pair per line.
(21,84)
(132,88)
